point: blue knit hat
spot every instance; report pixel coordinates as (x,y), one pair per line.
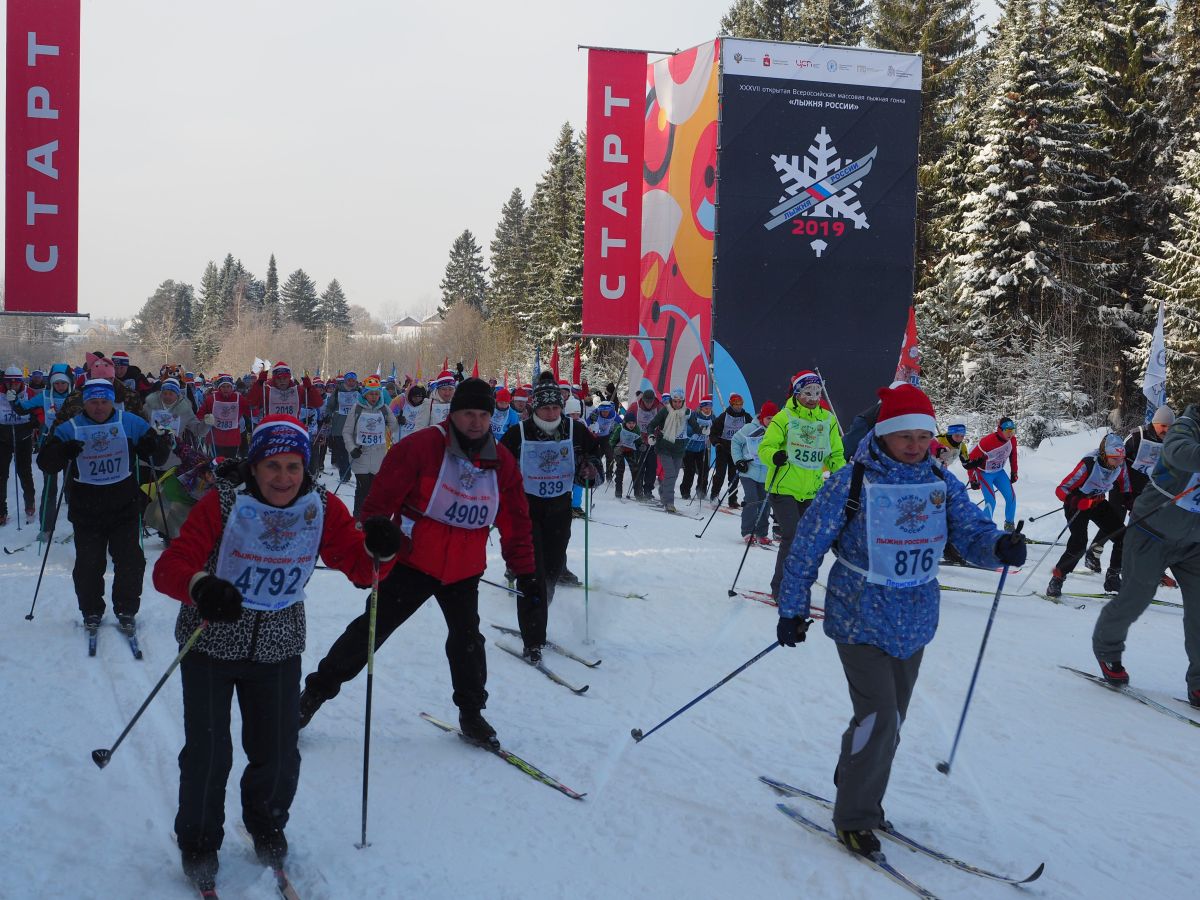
(279,434)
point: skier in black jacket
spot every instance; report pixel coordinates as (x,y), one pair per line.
(724,427)
(553,452)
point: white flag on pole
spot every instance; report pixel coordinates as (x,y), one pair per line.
(1154,385)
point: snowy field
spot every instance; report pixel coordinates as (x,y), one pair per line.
(1050,768)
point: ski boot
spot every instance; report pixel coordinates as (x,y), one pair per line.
(670,507)
(861,843)
(30,514)
(1010,526)
(576,512)
(748,538)
(569,578)
(1113,672)
(532,655)
(271,848)
(766,542)
(1091,559)
(1194,698)
(686,495)
(200,867)
(1112,581)
(1054,588)
(475,728)
(733,503)
(92,623)
(127,624)
(618,492)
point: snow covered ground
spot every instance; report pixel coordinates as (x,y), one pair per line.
(1049,768)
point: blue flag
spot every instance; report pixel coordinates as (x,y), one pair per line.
(1154,385)
(537,363)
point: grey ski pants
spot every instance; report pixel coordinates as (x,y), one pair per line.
(1147,558)
(880,688)
(670,468)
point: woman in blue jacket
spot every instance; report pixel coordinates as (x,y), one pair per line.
(887,518)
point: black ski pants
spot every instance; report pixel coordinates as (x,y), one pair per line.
(646,472)
(695,467)
(94,543)
(551,534)
(723,470)
(1108,517)
(362,487)
(340,456)
(268,696)
(401,594)
(23,451)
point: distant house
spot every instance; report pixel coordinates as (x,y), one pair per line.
(408,327)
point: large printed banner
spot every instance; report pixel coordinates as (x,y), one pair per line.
(679,187)
(612,228)
(41,260)
(818,184)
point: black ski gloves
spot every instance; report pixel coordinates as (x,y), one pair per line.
(742,465)
(72,449)
(529,588)
(217,600)
(1010,549)
(356,453)
(779,458)
(382,537)
(791,632)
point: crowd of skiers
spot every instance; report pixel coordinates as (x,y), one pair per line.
(227,470)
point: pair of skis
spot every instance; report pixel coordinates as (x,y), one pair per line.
(93,637)
(283,884)
(542,667)
(878,861)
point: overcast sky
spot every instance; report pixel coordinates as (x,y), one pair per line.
(353,139)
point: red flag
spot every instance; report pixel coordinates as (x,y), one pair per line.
(41,245)
(908,369)
(612,229)
(576,367)
(446,364)
(554,363)
(475,368)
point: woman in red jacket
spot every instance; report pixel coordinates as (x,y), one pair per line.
(447,484)
(228,413)
(239,567)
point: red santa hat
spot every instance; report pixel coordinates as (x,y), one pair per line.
(444,379)
(904,408)
(281,368)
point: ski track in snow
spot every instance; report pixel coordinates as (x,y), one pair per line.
(1045,759)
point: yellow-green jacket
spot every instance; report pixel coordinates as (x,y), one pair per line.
(813,445)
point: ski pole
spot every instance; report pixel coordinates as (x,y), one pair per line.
(1070,522)
(46,551)
(716,508)
(637,476)
(829,400)
(1043,515)
(587,517)
(637,732)
(162,508)
(944,767)
(103,757)
(371,618)
(16,477)
(757,519)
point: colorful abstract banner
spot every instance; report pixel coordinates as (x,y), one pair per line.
(817,218)
(41,245)
(613,191)
(679,190)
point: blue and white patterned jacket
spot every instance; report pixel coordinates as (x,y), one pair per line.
(899,621)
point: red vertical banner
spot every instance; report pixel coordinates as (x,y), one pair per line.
(612,230)
(41,240)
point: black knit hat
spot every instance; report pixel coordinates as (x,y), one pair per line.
(473,393)
(546,394)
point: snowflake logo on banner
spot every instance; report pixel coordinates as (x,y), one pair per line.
(820,185)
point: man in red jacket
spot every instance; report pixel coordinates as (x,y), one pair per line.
(446,484)
(282,395)
(229,415)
